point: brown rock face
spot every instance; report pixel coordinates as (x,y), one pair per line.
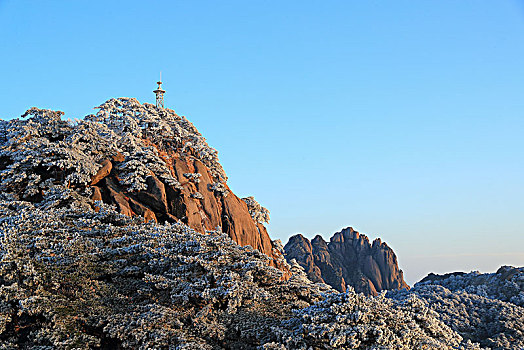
(348,259)
(193,202)
(300,249)
(103,172)
(237,221)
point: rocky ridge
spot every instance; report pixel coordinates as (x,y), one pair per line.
(506,284)
(349,259)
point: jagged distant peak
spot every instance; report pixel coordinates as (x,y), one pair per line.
(348,259)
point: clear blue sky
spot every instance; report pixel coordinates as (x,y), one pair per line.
(403,119)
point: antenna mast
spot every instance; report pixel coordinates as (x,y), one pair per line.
(159,94)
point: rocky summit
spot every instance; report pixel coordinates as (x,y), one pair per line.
(119,231)
(145,161)
(348,260)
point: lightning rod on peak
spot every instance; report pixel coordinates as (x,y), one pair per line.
(159,94)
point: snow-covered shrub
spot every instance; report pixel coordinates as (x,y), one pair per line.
(44,147)
(143,161)
(258,212)
(197,195)
(44,150)
(483,308)
(354,321)
(507,284)
(219,188)
(163,127)
(194,177)
(74,278)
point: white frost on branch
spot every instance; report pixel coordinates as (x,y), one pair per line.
(219,188)
(56,152)
(162,127)
(194,177)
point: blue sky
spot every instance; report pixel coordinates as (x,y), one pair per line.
(403,119)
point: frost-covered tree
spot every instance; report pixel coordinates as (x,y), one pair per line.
(73,278)
(258,212)
(44,147)
(126,116)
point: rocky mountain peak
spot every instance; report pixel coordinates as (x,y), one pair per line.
(349,259)
(318,241)
(145,161)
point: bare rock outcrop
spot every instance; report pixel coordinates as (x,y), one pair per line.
(349,259)
(300,249)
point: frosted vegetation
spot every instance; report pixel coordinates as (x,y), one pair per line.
(507,284)
(485,308)
(74,278)
(194,177)
(43,150)
(75,274)
(258,212)
(219,188)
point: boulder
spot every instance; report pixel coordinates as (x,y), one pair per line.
(97,194)
(117,198)
(142,210)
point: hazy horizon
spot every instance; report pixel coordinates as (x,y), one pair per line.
(403,120)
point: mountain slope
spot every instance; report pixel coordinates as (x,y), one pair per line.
(74,278)
(484,308)
(108,241)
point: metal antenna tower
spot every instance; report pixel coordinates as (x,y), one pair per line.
(159,94)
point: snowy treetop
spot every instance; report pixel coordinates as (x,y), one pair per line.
(44,150)
(162,126)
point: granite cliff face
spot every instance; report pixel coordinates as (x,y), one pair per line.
(145,161)
(348,260)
